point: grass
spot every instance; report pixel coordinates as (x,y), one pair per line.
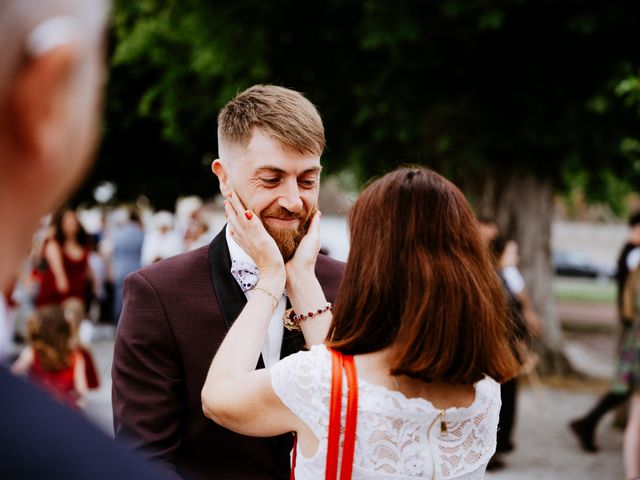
(584,290)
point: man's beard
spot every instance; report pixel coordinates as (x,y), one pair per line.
(287,239)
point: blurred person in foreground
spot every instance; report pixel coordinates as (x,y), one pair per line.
(420,308)
(50,81)
(176,311)
(585,427)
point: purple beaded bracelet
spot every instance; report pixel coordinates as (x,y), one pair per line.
(297,318)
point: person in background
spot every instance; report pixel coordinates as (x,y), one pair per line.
(584,428)
(162,241)
(98,267)
(126,256)
(627,379)
(66,270)
(509,270)
(197,234)
(421,310)
(628,261)
(49,358)
(506,259)
(51,75)
(488,229)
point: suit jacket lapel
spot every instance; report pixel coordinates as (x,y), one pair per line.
(231,298)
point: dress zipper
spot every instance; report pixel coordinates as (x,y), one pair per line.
(443,429)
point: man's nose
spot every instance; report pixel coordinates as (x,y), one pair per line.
(290,197)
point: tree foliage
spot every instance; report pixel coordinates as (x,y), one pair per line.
(547,87)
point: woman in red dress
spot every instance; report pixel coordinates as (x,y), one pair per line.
(66,279)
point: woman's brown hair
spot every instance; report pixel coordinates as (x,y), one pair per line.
(419,279)
(49,333)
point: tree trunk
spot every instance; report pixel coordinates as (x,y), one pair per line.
(522,205)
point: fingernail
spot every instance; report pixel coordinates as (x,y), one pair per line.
(249,215)
(230,194)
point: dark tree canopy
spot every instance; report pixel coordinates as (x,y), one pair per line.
(466,86)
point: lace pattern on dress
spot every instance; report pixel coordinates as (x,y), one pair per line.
(397,437)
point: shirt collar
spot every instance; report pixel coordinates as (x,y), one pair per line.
(236,252)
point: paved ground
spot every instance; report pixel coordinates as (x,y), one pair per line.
(544,447)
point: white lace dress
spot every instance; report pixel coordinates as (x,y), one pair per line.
(396,436)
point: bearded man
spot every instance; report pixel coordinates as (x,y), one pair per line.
(270,140)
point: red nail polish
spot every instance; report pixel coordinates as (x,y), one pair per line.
(249,215)
(230,194)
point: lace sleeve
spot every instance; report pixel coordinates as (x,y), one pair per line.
(302,382)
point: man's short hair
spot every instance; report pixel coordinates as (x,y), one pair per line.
(283,114)
(634,219)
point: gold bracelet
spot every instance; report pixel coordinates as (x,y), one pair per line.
(273,297)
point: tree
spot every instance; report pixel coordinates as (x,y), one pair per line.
(510,98)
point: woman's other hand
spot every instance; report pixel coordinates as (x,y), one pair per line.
(303,262)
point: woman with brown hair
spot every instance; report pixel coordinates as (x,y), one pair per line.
(421,310)
(66,253)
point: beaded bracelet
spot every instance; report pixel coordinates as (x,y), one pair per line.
(297,318)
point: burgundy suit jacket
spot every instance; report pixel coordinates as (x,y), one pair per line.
(175,315)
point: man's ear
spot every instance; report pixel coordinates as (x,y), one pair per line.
(39,100)
(220,170)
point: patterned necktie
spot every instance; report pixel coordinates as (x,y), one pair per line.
(245,273)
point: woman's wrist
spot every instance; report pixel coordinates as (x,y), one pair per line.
(273,285)
(267,293)
(300,273)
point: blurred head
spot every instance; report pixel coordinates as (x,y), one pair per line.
(488,228)
(270,140)
(68,227)
(49,334)
(163,221)
(505,252)
(51,75)
(420,281)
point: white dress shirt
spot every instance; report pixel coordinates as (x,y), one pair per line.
(273,343)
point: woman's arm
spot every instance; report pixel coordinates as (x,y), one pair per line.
(53,255)
(80,378)
(23,363)
(303,288)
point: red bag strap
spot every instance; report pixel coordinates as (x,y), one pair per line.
(292,476)
(349,445)
(335,407)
